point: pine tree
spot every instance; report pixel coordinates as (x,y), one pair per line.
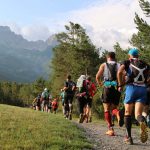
(38,86)
(142,38)
(120,53)
(74,55)
(145,5)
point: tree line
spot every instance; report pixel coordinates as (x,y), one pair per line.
(20,94)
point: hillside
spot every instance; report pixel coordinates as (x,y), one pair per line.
(22,60)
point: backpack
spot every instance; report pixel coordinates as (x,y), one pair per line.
(38,99)
(80,82)
(45,95)
(85,88)
(137,72)
(110,73)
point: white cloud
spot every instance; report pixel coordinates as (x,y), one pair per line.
(110,22)
(35,32)
(31,32)
(106,22)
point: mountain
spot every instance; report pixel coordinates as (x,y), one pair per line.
(22,60)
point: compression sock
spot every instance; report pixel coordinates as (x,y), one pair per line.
(107,116)
(128,124)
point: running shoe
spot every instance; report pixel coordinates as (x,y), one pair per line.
(110,132)
(128,140)
(143,132)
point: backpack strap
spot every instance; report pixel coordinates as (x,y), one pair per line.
(140,74)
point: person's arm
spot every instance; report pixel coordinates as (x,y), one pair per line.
(100,74)
(34,101)
(148,80)
(120,78)
(74,86)
(60,97)
(65,86)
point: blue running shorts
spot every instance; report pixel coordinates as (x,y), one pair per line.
(135,93)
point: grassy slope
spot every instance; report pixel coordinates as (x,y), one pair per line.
(27,129)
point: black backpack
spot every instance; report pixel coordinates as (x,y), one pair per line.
(85,88)
(137,72)
(112,71)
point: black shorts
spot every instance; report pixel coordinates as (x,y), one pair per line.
(110,95)
(49,107)
(68,99)
(38,104)
(82,101)
(45,102)
(89,102)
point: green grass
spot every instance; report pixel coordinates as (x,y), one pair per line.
(26,129)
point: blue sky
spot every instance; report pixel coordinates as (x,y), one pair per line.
(106,21)
(28,11)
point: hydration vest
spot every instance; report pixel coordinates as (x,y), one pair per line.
(110,72)
(137,72)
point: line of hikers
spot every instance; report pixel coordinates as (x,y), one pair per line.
(134,74)
(84,91)
(45,102)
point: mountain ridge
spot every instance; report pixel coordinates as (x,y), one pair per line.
(22,60)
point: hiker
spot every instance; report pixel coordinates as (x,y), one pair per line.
(69,88)
(45,99)
(34,104)
(55,105)
(62,96)
(50,104)
(92,92)
(38,102)
(81,96)
(110,95)
(135,93)
(86,91)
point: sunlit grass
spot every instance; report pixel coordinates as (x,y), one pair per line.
(22,128)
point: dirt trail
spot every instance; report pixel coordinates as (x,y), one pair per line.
(95,132)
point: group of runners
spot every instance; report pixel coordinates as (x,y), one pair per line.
(132,77)
(45,102)
(134,74)
(83,91)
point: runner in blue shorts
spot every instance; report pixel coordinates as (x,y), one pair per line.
(137,72)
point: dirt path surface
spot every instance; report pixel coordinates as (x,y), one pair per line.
(95,132)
